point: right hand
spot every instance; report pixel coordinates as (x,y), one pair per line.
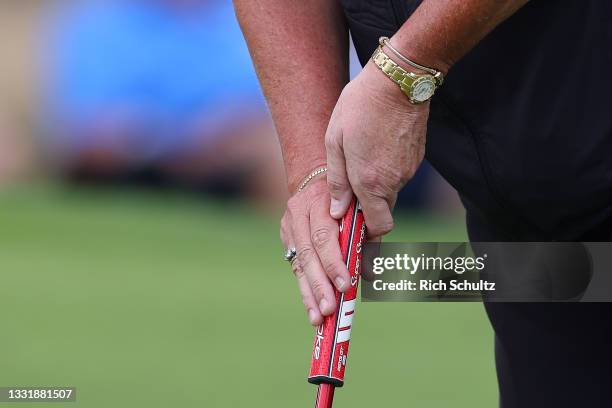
(308,227)
(375,143)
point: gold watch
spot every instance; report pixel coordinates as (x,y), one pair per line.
(418,87)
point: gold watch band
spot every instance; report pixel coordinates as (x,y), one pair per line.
(418,88)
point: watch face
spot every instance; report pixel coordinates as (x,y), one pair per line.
(423,89)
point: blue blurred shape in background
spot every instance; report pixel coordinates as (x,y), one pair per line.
(146,82)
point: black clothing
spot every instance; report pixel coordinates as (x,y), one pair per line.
(522,128)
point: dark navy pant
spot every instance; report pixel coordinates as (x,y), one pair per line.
(522,128)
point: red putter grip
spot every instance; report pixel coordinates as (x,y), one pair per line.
(332,337)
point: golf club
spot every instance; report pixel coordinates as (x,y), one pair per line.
(332,337)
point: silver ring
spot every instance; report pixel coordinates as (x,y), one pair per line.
(290,254)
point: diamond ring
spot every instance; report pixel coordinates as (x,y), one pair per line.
(290,254)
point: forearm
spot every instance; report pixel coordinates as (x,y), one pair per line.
(440,32)
(300,52)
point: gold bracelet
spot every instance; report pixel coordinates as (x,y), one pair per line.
(312,175)
(438,75)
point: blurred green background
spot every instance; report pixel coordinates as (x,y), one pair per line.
(147,300)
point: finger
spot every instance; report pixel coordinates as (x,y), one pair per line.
(308,299)
(312,309)
(308,261)
(371,237)
(324,232)
(337,179)
(377,215)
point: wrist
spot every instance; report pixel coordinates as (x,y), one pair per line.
(298,174)
(384,90)
(381,83)
(418,86)
(420,54)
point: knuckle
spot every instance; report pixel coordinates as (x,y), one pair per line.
(304,257)
(384,181)
(318,288)
(381,228)
(387,228)
(297,269)
(336,185)
(397,178)
(332,269)
(370,180)
(320,237)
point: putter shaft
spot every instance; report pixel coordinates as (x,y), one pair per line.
(325,396)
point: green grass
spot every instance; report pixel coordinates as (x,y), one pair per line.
(143,299)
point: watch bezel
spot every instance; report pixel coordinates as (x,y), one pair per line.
(419,80)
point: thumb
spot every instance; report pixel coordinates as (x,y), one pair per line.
(337,179)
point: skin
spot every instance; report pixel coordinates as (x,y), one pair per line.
(369,135)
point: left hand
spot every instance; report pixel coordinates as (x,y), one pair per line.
(318,265)
(375,142)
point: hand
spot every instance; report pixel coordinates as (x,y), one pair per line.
(375,142)
(308,227)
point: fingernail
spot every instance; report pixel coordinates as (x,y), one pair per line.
(312,316)
(334,207)
(323,305)
(340,282)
